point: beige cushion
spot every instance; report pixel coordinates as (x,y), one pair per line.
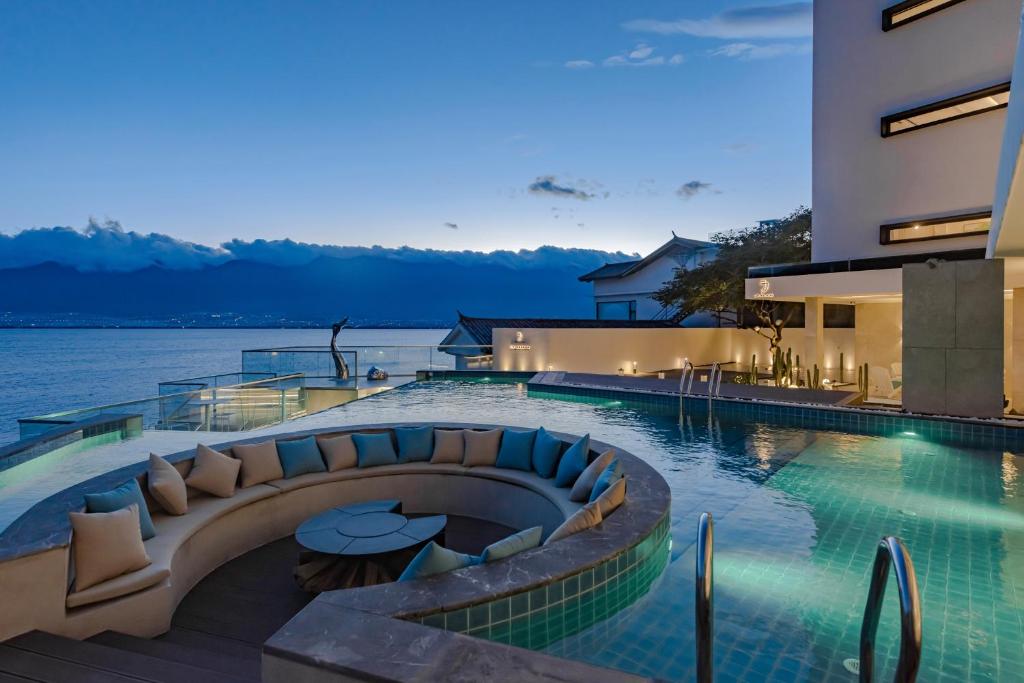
(125,584)
(449,446)
(612,498)
(339,452)
(588,516)
(481,447)
(585,482)
(106,544)
(214,472)
(260,463)
(167,486)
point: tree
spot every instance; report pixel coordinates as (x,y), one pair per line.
(718,286)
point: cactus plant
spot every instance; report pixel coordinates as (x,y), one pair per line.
(842,367)
(817,378)
(753,369)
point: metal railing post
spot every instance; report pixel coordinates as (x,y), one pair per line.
(705,603)
(891,553)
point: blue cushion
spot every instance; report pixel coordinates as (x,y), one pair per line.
(516,450)
(509,546)
(546,450)
(374,449)
(573,462)
(609,476)
(301,456)
(434,559)
(124,495)
(415,444)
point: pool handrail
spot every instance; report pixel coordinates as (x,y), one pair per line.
(891,552)
(704,605)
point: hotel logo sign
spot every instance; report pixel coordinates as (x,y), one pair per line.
(764,289)
(520,343)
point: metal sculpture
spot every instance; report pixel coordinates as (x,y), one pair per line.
(340,366)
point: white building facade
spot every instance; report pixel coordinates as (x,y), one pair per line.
(625,290)
(909,113)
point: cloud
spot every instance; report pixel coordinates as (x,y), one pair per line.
(452,226)
(641,55)
(579,64)
(789,20)
(109,247)
(641,51)
(548,185)
(749,51)
(688,191)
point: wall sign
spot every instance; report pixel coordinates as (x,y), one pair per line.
(764,289)
(520,343)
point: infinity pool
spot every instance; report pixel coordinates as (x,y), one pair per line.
(798,514)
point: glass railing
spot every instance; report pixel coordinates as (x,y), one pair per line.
(396,361)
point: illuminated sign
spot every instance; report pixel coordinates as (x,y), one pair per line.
(520,343)
(764,290)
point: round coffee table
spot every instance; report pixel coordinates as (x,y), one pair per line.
(361,544)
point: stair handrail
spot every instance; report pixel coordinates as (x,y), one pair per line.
(716,371)
(891,552)
(704,604)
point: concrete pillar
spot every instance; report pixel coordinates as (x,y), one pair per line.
(814,333)
(1017,351)
(953,338)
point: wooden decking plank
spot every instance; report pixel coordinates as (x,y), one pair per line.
(247,667)
(47,669)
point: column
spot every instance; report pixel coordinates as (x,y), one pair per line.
(1017,351)
(814,333)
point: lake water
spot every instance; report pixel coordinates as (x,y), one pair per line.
(43,371)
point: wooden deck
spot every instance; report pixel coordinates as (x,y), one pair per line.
(217,632)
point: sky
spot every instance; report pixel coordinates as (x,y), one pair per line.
(445,124)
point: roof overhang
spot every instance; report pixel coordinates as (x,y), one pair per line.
(1006,236)
(850,287)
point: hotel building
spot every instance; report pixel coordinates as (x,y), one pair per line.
(918,216)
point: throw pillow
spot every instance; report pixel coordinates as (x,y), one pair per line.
(546,451)
(586,517)
(516,450)
(213,472)
(339,452)
(609,476)
(375,449)
(124,495)
(167,486)
(612,498)
(106,545)
(415,444)
(509,546)
(585,483)
(434,559)
(573,462)
(300,456)
(260,463)
(481,447)
(449,446)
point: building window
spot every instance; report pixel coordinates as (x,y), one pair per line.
(969,104)
(911,10)
(963,225)
(616,310)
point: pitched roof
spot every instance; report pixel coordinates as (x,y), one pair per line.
(624,268)
(481,329)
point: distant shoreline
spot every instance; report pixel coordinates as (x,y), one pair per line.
(216,327)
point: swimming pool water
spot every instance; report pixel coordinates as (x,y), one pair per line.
(798,513)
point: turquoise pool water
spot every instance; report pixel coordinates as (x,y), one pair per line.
(798,514)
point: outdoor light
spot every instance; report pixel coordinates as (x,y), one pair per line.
(757,328)
(634,367)
(778,322)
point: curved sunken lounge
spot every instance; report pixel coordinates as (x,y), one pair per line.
(609,564)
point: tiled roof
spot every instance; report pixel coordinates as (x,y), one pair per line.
(612,270)
(481,328)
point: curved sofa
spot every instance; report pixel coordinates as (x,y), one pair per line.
(36,570)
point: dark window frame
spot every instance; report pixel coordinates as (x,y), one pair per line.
(631,309)
(889,119)
(885,231)
(889,12)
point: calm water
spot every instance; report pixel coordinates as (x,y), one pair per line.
(43,371)
(798,514)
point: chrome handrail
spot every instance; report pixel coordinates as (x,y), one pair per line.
(716,371)
(704,605)
(891,552)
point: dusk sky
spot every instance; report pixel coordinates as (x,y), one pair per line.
(443,124)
